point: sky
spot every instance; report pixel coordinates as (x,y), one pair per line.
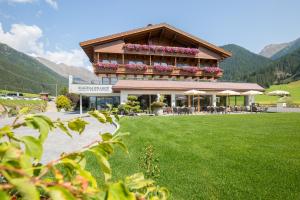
(53,28)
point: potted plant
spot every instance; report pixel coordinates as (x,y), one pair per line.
(157,106)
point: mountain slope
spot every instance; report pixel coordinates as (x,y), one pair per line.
(242,63)
(20,72)
(66,70)
(270,50)
(283,70)
(292,46)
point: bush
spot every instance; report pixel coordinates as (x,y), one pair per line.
(74,98)
(132,105)
(63,102)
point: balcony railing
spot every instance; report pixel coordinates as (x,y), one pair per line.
(160,50)
(141,69)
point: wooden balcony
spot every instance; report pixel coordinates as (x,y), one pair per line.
(151,71)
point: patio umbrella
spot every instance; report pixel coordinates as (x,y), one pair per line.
(279,93)
(252,92)
(228,93)
(195,92)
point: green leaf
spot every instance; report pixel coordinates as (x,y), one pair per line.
(137,181)
(24,111)
(77,125)
(37,122)
(46,119)
(26,188)
(106,136)
(6,130)
(4,196)
(118,191)
(103,163)
(62,127)
(98,115)
(33,147)
(123,146)
(60,193)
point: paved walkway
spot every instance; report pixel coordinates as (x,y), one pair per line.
(58,142)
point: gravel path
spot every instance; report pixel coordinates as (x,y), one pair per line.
(58,142)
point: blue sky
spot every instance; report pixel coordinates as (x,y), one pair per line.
(55,28)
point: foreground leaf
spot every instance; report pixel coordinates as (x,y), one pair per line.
(26,188)
(60,193)
(33,147)
(77,125)
(118,191)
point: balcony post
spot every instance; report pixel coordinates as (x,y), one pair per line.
(150,61)
(123,58)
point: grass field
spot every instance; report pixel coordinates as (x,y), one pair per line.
(251,156)
(34,105)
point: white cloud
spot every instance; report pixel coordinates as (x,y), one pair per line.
(23,38)
(52,3)
(27,39)
(74,57)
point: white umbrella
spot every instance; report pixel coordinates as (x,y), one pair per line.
(278,93)
(195,92)
(228,93)
(252,92)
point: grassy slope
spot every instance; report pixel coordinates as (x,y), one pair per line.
(218,157)
(293,88)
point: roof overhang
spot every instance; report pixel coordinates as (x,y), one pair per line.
(183,85)
(88,45)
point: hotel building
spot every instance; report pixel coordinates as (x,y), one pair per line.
(156,60)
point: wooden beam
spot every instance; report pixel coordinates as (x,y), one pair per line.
(173,39)
(161,34)
(149,37)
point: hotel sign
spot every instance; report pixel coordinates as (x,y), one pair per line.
(90,89)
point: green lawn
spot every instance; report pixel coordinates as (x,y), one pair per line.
(34,105)
(254,156)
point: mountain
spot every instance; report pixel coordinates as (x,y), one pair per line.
(292,46)
(20,72)
(283,70)
(242,63)
(80,73)
(275,51)
(270,50)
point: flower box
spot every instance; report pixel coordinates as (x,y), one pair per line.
(161,49)
(107,66)
(163,69)
(212,70)
(136,67)
(191,70)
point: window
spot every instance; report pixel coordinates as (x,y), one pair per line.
(105,81)
(113,80)
(114,62)
(105,61)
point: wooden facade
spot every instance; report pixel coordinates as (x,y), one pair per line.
(179,55)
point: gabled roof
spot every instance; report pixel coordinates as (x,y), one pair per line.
(184,85)
(86,45)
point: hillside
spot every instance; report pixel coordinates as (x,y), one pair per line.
(66,70)
(283,70)
(242,63)
(293,88)
(20,72)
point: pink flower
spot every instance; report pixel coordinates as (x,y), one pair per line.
(107,66)
(191,70)
(160,68)
(136,67)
